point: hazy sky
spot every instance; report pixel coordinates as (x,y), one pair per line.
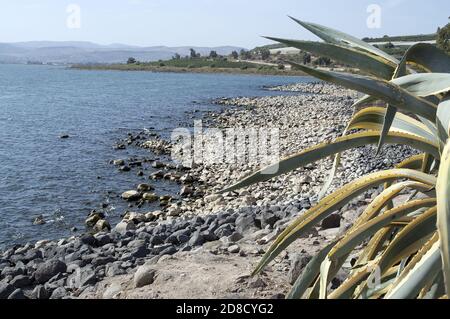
(208,22)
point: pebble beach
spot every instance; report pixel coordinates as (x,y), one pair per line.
(133,258)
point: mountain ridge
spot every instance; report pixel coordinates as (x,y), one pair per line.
(69,52)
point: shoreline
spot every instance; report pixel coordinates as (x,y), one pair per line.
(200,70)
(147,255)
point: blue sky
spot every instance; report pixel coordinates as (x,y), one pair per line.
(209,22)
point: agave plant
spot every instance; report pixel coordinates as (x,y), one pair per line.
(405,246)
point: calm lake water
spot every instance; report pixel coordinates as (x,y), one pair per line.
(64,179)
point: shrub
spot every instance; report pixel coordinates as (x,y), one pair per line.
(405,247)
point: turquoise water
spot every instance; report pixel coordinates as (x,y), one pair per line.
(64,179)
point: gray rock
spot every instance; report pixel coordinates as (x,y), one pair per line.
(103,239)
(168,251)
(82,277)
(245,224)
(17,294)
(197,239)
(140,252)
(332,221)
(209,235)
(256,282)
(186,191)
(123,227)
(59,293)
(48,269)
(114,269)
(156,240)
(298,263)
(144,276)
(100,261)
(131,195)
(88,239)
(235,237)
(21,281)
(12,271)
(39,292)
(234,249)
(5,289)
(224,230)
(267,218)
(145,188)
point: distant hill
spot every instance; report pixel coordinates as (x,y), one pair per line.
(404,38)
(69,52)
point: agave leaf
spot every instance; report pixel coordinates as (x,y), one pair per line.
(420,274)
(380,89)
(366,62)
(374,246)
(324,270)
(330,177)
(428,57)
(443,213)
(405,241)
(391,109)
(424,84)
(437,289)
(427,163)
(387,123)
(334,202)
(309,274)
(355,237)
(347,288)
(371,118)
(443,118)
(337,37)
(366,99)
(384,197)
(326,149)
(413,162)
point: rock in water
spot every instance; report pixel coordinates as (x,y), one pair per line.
(102,225)
(48,269)
(186,191)
(119,162)
(145,188)
(39,220)
(131,195)
(150,197)
(144,276)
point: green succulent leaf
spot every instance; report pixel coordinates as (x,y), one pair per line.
(380,89)
(443,212)
(443,119)
(409,239)
(337,37)
(428,57)
(424,84)
(359,59)
(334,202)
(326,149)
(372,118)
(422,270)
